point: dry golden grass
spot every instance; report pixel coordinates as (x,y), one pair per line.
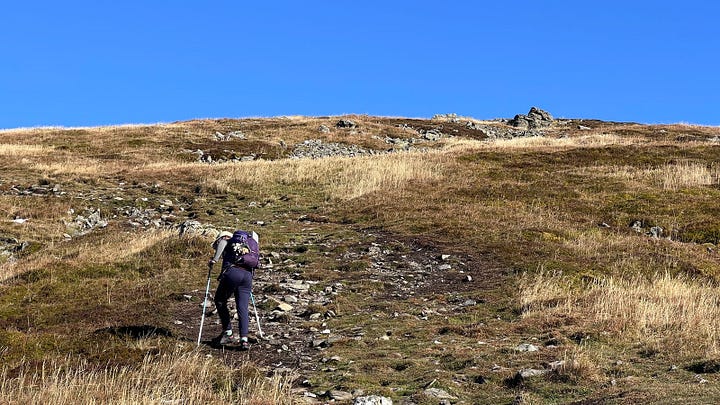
(590,140)
(84,167)
(622,253)
(187,378)
(668,177)
(577,366)
(52,129)
(10,269)
(340,178)
(24,150)
(540,143)
(116,247)
(684,126)
(682,312)
(112,247)
(687,174)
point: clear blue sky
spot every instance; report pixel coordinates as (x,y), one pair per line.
(87,63)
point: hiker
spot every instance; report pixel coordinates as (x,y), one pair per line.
(239,252)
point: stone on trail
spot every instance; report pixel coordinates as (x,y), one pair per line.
(531,372)
(373,400)
(338,395)
(438,393)
(526,347)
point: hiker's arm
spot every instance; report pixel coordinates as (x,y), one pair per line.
(218,251)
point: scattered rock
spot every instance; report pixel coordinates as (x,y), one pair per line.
(192,227)
(10,246)
(656,232)
(700,379)
(231,135)
(531,372)
(526,347)
(451,117)
(37,190)
(297,286)
(316,148)
(438,393)
(338,395)
(474,126)
(524,374)
(346,124)
(554,365)
(431,135)
(319,343)
(83,224)
(373,400)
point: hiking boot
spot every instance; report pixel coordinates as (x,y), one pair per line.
(244,345)
(230,339)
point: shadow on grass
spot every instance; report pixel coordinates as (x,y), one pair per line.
(136,331)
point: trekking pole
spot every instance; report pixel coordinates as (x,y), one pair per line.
(207,291)
(257,317)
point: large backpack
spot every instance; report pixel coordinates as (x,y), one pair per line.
(242,251)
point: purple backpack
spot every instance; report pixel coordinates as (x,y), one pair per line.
(242,250)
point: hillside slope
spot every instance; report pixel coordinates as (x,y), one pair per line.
(533,260)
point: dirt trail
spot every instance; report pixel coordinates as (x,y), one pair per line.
(413,267)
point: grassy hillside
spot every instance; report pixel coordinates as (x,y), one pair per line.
(424,260)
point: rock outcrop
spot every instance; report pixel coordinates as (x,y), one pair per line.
(535,118)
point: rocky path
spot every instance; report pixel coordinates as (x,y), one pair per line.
(295,310)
